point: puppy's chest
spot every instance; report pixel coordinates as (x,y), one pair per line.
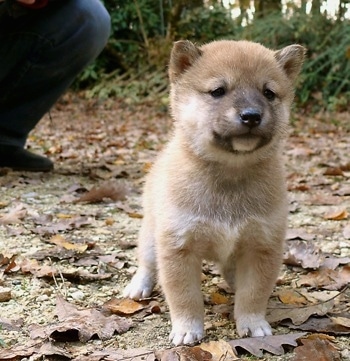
(228,204)
(213,219)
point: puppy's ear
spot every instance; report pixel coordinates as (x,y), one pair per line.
(183,55)
(291,59)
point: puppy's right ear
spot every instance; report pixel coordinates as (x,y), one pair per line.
(183,55)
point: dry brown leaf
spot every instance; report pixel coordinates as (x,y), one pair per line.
(304,254)
(37,349)
(10,324)
(220,350)
(15,215)
(20,351)
(299,234)
(323,199)
(316,349)
(333,262)
(59,240)
(218,299)
(326,278)
(291,297)
(137,354)
(107,190)
(342,321)
(79,324)
(333,171)
(124,307)
(184,353)
(272,344)
(9,261)
(298,315)
(337,215)
(48,228)
(317,324)
(32,266)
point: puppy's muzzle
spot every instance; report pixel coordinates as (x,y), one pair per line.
(250,117)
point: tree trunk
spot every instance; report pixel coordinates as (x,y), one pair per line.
(264,7)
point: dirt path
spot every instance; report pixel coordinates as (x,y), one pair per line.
(111,145)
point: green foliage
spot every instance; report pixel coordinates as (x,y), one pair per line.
(211,23)
(325,78)
(134,62)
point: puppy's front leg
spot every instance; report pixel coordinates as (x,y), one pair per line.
(180,277)
(141,285)
(255,277)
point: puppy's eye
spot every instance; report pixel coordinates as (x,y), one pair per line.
(269,94)
(218,92)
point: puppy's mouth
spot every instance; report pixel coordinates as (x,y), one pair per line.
(242,143)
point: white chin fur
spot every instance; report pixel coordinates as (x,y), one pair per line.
(245,144)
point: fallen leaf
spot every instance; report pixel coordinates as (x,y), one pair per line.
(333,171)
(298,315)
(220,350)
(218,299)
(299,233)
(48,349)
(342,321)
(137,354)
(124,307)
(317,324)
(63,225)
(107,190)
(15,215)
(11,325)
(323,199)
(9,261)
(316,349)
(304,254)
(326,278)
(75,324)
(33,267)
(184,353)
(333,262)
(59,240)
(291,297)
(272,344)
(20,351)
(337,215)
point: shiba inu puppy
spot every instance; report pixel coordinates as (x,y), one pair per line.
(217,190)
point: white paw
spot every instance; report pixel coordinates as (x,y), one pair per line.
(141,286)
(187,333)
(253,325)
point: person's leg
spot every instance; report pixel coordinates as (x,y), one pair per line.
(39,61)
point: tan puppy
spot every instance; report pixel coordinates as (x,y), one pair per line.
(217,191)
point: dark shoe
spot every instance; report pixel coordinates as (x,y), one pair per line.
(18,158)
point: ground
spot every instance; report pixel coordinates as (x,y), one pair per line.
(111,145)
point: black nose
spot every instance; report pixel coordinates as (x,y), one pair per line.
(250,117)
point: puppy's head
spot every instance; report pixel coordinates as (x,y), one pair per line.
(232,97)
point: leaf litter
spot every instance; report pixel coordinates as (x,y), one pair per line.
(73,232)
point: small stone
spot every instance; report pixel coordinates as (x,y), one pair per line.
(5,294)
(42,298)
(77,295)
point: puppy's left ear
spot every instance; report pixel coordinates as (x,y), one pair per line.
(183,55)
(291,59)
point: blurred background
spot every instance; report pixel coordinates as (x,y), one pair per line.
(133,65)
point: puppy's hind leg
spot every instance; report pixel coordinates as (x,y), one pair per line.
(143,282)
